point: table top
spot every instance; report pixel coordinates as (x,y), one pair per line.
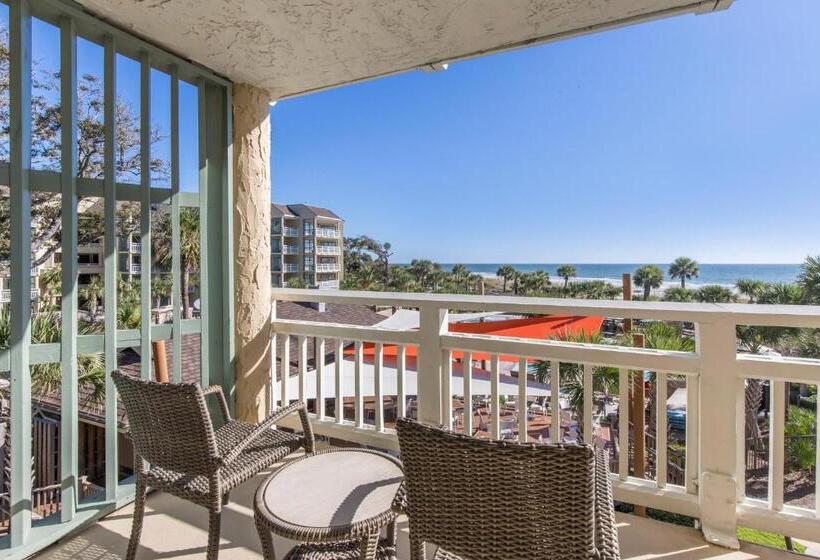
(336,490)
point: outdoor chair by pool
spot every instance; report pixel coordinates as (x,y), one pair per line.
(526,501)
(186,456)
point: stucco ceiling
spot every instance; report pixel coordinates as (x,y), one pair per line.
(295,46)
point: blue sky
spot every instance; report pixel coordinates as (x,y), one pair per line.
(696,135)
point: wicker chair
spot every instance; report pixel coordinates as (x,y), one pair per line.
(172,431)
(488,500)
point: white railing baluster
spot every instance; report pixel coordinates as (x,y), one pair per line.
(692,472)
(433,324)
(319,363)
(447,389)
(495,405)
(660,436)
(273,393)
(340,403)
(588,436)
(522,400)
(555,401)
(301,345)
(467,373)
(777,428)
(358,402)
(378,360)
(401,397)
(284,371)
(623,424)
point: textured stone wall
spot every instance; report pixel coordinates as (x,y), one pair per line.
(251,218)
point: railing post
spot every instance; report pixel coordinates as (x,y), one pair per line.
(721,409)
(432,324)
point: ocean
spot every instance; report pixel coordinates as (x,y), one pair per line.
(723,274)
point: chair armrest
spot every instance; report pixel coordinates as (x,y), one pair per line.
(268,423)
(606,533)
(223,404)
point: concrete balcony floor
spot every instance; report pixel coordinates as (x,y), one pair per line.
(175,529)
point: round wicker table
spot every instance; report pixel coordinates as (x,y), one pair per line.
(335,503)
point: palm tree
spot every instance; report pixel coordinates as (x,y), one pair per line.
(50,284)
(506,273)
(809,278)
(161,287)
(92,293)
(188,248)
(648,277)
(536,282)
(426,272)
(604,378)
(684,268)
(752,289)
(567,271)
(679,295)
(715,293)
(460,275)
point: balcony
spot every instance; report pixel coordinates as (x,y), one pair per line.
(327,250)
(291,232)
(290,249)
(5,295)
(327,267)
(290,267)
(328,284)
(329,233)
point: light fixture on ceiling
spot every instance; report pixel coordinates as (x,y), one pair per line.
(434,67)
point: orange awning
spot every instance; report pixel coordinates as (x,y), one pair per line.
(534,328)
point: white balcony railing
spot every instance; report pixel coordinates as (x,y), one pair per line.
(291,232)
(136,247)
(327,267)
(327,249)
(330,233)
(421,369)
(5,295)
(290,249)
(291,267)
(136,269)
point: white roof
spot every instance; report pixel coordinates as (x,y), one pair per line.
(408,319)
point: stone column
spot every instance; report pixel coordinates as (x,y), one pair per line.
(252,250)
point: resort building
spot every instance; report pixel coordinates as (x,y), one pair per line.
(307,246)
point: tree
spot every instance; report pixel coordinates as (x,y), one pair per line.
(752,289)
(46,212)
(715,293)
(92,293)
(679,295)
(809,278)
(460,276)
(685,269)
(188,249)
(296,283)
(426,273)
(648,277)
(50,283)
(161,287)
(604,378)
(506,273)
(567,271)
(536,282)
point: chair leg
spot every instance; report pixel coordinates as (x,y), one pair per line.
(417,551)
(139,513)
(214,526)
(226,497)
(268,552)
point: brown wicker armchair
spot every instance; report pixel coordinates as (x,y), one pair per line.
(172,431)
(488,500)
